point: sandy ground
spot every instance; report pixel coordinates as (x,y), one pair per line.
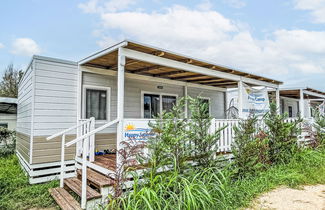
(308,197)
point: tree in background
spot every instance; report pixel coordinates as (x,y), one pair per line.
(9,82)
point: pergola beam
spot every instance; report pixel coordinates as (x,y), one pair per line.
(133,54)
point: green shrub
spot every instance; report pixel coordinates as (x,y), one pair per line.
(205,142)
(7,141)
(319,125)
(282,135)
(250,149)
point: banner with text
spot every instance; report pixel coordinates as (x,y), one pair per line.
(255,101)
(137,130)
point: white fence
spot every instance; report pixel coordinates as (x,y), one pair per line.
(138,129)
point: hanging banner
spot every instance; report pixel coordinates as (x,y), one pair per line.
(255,101)
(322,108)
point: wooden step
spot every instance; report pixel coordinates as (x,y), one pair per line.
(64,199)
(96,178)
(75,185)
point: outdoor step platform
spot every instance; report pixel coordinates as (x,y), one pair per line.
(64,199)
(75,185)
(96,178)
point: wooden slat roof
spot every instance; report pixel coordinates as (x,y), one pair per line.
(295,93)
(109,61)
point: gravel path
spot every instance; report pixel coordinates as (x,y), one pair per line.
(283,198)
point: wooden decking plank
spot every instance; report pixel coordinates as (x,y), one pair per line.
(64,199)
(96,178)
(106,161)
(75,185)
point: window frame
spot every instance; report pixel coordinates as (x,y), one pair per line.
(290,107)
(108,100)
(160,100)
(209,99)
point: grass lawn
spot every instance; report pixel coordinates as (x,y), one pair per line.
(15,191)
(307,168)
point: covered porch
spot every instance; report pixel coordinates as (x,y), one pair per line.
(301,101)
(174,76)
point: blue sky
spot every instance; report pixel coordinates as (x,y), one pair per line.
(284,40)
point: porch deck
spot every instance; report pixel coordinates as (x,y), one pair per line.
(107,161)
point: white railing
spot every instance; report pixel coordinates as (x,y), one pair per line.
(227,134)
(86,148)
(138,129)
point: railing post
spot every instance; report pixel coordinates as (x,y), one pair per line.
(62,161)
(92,141)
(78,146)
(84,174)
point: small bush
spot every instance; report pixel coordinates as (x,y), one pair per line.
(250,149)
(7,141)
(282,135)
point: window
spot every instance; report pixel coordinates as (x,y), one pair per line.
(96,103)
(168,102)
(4,125)
(151,105)
(290,111)
(206,101)
(155,103)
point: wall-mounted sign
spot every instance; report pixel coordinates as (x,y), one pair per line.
(137,130)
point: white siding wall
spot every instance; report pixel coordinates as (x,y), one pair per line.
(24,107)
(217,100)
(10,119)
(55,96)
(133,89)
(290,102)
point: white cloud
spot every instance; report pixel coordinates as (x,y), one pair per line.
(209,35)
(316,7)
(1,45)
(235,3)
(205,5)
(25,46)
(101,6)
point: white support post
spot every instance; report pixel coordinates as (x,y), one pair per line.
(120,101)
(240,99)
(277,100)
(79,94)
(62,161)
(84,173)
(301,104)
(186,101)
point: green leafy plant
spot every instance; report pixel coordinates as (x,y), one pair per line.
(319,125)
(282,135)
(169,147)
(250,149)
(7,141)
(205,141)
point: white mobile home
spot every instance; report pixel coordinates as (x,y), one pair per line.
(8,113)
(295,101)
(85,106)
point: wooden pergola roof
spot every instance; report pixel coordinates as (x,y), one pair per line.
(109,61)
(309,93)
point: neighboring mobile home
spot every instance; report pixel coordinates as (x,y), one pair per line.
(124,85)
(8,113)
(300,100)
